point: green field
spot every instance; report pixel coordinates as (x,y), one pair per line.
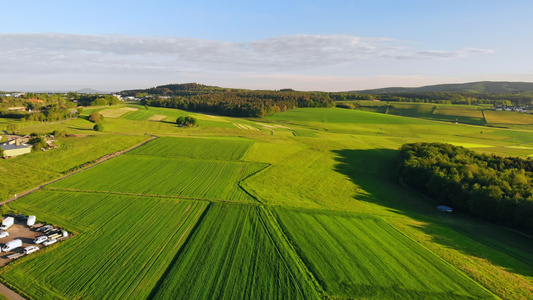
(244,259)
(180,177)
(508,117)
(364,257)
(122,248)
(223,149)
(316,210)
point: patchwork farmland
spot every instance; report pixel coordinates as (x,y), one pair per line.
(221,212)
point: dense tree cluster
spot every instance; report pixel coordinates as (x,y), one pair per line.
(186,121)
(241,103)
(490,187)
(455,98)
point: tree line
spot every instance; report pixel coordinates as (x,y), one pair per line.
(489,187)
(243,103)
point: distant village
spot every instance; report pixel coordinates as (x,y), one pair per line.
(520,108)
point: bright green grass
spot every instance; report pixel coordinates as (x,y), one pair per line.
(144,114)
(29,170)
(230,149)
(235,253)
(181,177)
(123,246)
(364,257)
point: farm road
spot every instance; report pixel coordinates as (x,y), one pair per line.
(4,290)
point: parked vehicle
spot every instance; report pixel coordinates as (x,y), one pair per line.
(12,245)
(7,222)
(4,234)
(40,239)
(49,242)
(30,249)
(31,221)
(21,217)
(45,228)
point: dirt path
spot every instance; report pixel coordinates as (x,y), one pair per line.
(4,290)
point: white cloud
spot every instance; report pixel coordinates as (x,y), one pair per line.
(55,52)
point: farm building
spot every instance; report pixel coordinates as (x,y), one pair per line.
(15,148)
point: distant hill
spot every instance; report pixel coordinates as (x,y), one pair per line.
(90,91)
(496,87)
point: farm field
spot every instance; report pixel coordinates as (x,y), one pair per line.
(330,181)
(364,257)
(180,177)
(245,259)
(113,254)
(508,117)
(204,148)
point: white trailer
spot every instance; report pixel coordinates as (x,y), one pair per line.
(31,221)
(12,245)
(7,222)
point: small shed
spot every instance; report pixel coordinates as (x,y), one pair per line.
(445,208)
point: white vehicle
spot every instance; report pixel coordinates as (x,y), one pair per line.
(12,245)
(31,221)
(40,239)
(30,249)
(4,234)
(7,222)
(49,242)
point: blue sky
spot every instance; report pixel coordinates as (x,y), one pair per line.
(306,45)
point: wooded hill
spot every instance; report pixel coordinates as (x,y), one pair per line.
(492,87)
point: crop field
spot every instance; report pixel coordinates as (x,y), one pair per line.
(116,112)
(123,247)
(38,167)
(364,257)
(243,259)
(508,117)
(180,177)
(311,210)
(223,149)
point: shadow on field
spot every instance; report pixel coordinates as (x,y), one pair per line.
(375,172)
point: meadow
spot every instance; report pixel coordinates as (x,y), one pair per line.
(179,177)
(122,245)
(244,259)
(202,148)
(359,256)
(316,211)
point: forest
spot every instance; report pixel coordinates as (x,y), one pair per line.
(489,187)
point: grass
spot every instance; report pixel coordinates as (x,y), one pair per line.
(229,149)
(33,169)
(122,249)
(364,257)
(244,259)
(180,177)
(508,117)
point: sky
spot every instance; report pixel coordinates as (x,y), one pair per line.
(305,45)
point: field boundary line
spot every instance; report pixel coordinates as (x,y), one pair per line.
(239,183)
(277,225)
(443,260)
(160,281)
(96,162)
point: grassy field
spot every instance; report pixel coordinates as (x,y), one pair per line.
(364,257)
(329,176)
(508,117)
(30,170)
(123,247)
(203,148)
(244,259)
(181,177)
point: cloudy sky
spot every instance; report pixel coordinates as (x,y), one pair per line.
(306,45)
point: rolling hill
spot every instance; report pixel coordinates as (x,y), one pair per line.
(498,87)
